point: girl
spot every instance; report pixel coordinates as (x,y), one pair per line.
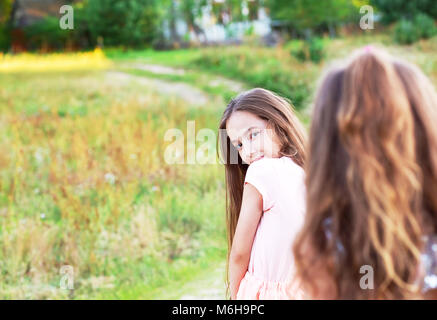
(262,143)
(371,183)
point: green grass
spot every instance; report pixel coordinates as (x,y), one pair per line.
(171,58)
(85,184)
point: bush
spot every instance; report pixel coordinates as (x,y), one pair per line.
(313,50)
(5,39)
(409,31)
(406,32)
(316,49)
(46,34)
(258,67)
(395,10)
(300,54)
(425,26)
(131,23)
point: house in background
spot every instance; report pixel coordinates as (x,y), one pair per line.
(216,25)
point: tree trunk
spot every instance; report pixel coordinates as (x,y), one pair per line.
(173,32)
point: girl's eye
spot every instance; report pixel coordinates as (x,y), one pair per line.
(239,146)
(254,134)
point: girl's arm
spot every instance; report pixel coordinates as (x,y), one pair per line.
(250,214)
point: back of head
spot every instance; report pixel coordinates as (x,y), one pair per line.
(364,176)
(423,100)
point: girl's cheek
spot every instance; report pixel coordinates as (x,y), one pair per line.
(268,145)
(275,145)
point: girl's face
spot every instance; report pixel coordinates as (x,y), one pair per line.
(251,137)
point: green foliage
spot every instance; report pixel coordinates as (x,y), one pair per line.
(425,26)
(311,14)
(5,10)
(250,31)
(130,22)
(316,49)
(409,31)
(5,38)
(258,68)
(81,34)
(232,7)
(46,33)
(405,32)
(312,49)
(394,10)
(191,9)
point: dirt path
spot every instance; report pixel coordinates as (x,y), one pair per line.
(192,95)
(208,287)
(165,70)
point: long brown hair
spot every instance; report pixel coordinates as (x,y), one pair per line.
(280,117)
(371,179)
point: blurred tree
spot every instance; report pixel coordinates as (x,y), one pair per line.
(191,10)
(46,34)
(130,22)
(5,11)
(307,15)
(253,6)
(393,10)
(172,18)
(5,26)
(227,11)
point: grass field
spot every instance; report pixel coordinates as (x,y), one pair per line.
(85,184)
(83,180)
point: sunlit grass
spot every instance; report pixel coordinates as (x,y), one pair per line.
(84,183)
(26,62)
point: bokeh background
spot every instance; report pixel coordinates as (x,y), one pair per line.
(84,113)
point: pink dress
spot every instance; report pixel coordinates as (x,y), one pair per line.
(270,275)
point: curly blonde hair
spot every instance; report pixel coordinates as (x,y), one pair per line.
(371,179)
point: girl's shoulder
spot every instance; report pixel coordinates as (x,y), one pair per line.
(274,170)
(275,179)
(262,164)
(273,163)
(291,165)
(264,168)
